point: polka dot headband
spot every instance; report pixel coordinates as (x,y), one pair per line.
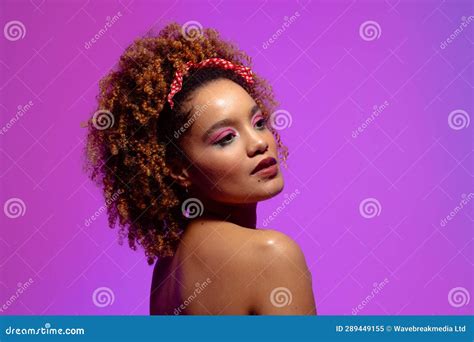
(177,83)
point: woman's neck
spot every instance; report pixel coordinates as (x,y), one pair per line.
(242,215)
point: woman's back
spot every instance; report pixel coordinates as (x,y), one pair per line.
(220,268)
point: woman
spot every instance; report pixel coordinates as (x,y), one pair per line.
(183,146)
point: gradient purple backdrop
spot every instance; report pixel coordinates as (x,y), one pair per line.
(412,160)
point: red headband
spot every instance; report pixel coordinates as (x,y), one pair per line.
(177,83)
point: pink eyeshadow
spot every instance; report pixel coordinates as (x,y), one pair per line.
(216,137)
(256,118)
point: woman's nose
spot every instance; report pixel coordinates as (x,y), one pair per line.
(257,144)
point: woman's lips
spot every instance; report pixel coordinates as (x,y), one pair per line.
(267,167)
(270,171)
(264,163)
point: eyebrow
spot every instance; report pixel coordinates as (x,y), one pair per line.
(226,122)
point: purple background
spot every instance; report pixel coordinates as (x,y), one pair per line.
(328,78)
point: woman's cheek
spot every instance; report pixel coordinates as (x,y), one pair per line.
(223,164)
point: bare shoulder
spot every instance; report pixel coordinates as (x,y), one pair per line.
(231,244)
(263,266)
(278,244)
(285,286)
(222,242)
(223,239)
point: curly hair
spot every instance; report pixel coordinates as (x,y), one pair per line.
(130,142)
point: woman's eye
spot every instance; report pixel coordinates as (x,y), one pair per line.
(261,123)
(226,140)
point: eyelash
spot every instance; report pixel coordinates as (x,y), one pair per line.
(223,141)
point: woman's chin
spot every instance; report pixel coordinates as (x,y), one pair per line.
(269,189)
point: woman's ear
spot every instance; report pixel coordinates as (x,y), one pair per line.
(179,172)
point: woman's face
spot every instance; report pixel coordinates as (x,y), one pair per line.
(227,140)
